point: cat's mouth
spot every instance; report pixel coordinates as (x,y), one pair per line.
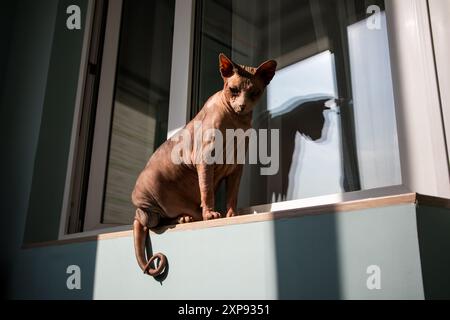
(239,109)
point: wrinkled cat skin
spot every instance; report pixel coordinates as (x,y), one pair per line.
(180,193)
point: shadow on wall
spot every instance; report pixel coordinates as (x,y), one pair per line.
(40,78)
(4,271)
(433,226)
(306,249)
(307,258)
(42,273)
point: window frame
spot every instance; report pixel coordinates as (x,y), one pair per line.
(439,25)
(75,140)
(179,114)
(179,105)
(102,129)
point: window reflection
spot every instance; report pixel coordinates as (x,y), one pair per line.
(297,102)
(375,123)
(324,51)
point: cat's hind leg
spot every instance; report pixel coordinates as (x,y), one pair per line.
(147,218)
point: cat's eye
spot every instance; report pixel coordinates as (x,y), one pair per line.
(234,91)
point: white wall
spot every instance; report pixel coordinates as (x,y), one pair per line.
(440,23)
(423,154)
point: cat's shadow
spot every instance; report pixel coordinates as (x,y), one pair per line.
(305,117)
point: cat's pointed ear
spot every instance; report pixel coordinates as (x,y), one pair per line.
(226,66)
(266,71)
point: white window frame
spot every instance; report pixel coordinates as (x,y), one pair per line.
(421,133)
(178,101)
(440,24)
(406,17)
(99,161)
(179,107)
(179,104)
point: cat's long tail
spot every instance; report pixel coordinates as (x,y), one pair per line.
(140,234)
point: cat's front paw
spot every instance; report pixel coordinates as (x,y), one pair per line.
(231,213)
(211,215)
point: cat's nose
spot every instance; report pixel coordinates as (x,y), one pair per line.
(242,106)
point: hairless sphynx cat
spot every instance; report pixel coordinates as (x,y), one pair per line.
(168,192)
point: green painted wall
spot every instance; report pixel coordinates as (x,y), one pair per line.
(39,71)
(434,238)
(321,257)
(27,57)
(50,167)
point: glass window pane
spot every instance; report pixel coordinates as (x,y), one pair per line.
(139,124)
(331,99)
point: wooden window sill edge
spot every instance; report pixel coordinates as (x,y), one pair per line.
(246,217)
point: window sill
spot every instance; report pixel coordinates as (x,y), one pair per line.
(287,210)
